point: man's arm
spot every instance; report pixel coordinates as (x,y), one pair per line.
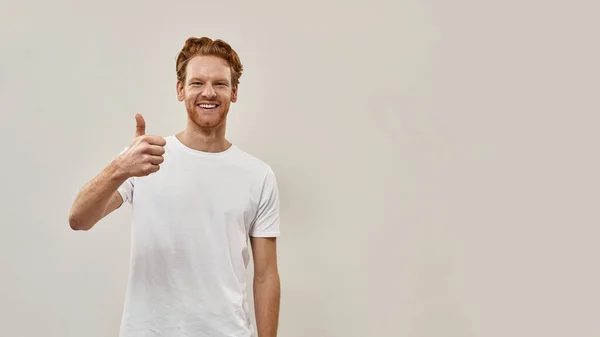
(100,196)
(97,198)
(266,285)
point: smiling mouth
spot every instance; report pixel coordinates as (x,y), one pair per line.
(208,106)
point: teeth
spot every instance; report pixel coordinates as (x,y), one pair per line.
(208,106)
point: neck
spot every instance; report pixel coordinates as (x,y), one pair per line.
(204,139)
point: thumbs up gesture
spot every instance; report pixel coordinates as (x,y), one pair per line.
(144,155)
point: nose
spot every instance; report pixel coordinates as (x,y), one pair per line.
(209,92)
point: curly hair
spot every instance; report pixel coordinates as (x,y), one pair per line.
(206,46)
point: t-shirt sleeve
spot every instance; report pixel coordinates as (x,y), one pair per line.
(126,189)
(266,222)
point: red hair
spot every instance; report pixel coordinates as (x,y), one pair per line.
(206,46)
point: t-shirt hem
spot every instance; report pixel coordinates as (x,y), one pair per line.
(265,234)
(123,195)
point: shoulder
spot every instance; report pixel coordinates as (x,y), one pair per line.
(171,143)
(251,162)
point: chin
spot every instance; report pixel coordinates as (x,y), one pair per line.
(207,122)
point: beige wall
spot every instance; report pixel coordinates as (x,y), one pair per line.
(437,160)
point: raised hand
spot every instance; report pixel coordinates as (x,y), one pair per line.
(144,155)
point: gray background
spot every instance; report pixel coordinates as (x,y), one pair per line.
(437,160)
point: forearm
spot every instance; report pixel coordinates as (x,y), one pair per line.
(266,305)
(90,203)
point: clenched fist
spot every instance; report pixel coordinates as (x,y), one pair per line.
(144,155)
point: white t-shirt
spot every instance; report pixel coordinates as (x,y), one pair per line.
(190,229)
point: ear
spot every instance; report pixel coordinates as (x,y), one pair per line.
(234,93)
(180,91)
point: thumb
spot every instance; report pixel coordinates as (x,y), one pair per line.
(140,127)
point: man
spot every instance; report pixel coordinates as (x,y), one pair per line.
(198,203)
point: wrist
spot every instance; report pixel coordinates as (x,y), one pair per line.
(116,172)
